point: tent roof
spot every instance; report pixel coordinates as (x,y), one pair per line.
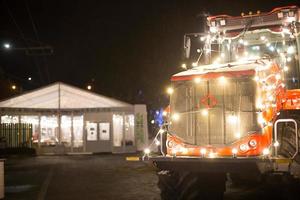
(63,96)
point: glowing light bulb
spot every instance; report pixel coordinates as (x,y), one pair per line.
(234,151)
(285,68)
(183,66)
(197,80)
(278,76)
(157,143)
(175,116)
(276,144)
(237,135)
(204,112)
(202,151)
(266,151)
(263,37)
(147,151)
(232,119)
(164,113)
(291,50)
(256,78)
(170,90)
(222,79)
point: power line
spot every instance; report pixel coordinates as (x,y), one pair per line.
(37,37)
(23,37)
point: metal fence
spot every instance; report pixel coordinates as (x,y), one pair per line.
(16,135)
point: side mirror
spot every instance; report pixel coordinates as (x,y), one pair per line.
(187,46)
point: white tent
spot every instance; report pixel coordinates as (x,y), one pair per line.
(61,96)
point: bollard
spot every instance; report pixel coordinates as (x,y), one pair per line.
(1,179)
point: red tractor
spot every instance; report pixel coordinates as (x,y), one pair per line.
(235,111)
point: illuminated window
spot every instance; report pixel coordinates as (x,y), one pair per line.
(49,130)
(9,119)
(129,130)
(66,130)
(78,131)
(117,130)
(34,120)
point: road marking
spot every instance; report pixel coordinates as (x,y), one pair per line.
(46,183)
(133,158)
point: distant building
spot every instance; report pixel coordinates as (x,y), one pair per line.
(64,118)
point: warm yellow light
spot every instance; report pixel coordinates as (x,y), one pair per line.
(222,79)
(175,116)
(262,37)
(232,119)
(157,143)
(203,151)
(89,87)
(260,119)
(285,68)
(234,151)
(183,66)
(212,155)
(183,150)
(266,151)
(197,80)
(276,144)
(147,151)
(170,90)
(164,113)
(256,78)
(13,87)
(278,76)
(194,64)
(204,112)
(237,135)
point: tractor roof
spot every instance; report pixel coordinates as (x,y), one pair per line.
(234,69)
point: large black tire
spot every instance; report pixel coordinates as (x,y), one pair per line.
(191,186)
(287,140)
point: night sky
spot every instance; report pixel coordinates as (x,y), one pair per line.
(126,49)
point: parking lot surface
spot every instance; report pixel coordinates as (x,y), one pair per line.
(79,177)
(103,177)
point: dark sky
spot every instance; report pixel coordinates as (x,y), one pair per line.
(125,49)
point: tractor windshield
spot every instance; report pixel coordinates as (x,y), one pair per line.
(281,46)
(214,111)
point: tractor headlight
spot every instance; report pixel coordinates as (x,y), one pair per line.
(252,143)
(244,147)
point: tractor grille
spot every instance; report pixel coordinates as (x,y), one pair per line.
(213,113)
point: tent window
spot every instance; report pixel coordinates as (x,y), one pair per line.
(66,126)
(129,130)
(9,119)
(49,130)
(118,130)
(78,131)
(34,120)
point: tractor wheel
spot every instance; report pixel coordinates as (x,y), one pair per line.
(191,186)
(166,182)
(287,140)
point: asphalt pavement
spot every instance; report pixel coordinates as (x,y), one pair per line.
(103,177)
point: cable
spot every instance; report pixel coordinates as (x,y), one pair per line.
(23,37)
(37,37)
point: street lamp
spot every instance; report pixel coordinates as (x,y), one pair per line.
(31,51)
(6,45)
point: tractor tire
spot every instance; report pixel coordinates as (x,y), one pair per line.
(191,186)
(287,141)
